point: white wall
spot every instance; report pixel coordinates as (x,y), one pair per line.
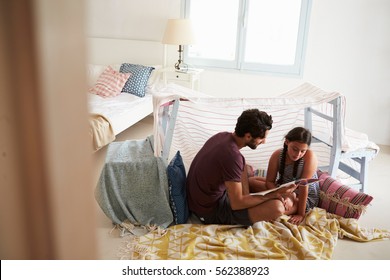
(130,19)
(348,51)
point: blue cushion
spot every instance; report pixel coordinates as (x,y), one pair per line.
(177,189)
(138,80)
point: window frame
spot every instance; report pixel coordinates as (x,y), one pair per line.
(238,64)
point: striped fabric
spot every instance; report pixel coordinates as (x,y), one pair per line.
(199,117)
(110,83)
(260,172)
(340,199)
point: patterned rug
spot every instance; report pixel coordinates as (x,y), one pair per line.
(316,238)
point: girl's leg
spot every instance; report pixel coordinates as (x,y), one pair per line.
(256,184)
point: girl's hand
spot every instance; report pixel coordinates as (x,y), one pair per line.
(279,193)
(290,189)
(286,190)
(296,219)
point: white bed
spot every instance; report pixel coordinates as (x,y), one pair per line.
(124,110)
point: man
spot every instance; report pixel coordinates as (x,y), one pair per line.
(217,183)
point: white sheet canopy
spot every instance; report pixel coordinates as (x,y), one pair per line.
(200,116)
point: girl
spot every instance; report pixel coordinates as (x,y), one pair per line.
(294,161)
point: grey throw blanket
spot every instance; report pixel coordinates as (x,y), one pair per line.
(133,185)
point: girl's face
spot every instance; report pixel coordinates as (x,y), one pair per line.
(296,150)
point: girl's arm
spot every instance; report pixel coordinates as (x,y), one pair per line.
(272,172)
(309,168)
(302,197)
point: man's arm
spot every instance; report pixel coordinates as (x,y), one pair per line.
(238,200)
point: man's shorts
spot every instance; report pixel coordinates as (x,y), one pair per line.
(224,214)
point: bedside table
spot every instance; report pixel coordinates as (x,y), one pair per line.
(190,79)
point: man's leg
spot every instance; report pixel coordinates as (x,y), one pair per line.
(267,211)
(256,184)
(251,184)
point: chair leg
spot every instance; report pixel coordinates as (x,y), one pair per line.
(363,173)
(359,173)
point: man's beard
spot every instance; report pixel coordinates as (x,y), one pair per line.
(252,144)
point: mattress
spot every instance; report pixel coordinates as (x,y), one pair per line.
(123,110)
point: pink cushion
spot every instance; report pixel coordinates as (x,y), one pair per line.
(110,83)
(340,199)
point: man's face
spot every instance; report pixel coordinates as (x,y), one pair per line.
(254,142)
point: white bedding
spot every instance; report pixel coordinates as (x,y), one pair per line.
(123,110)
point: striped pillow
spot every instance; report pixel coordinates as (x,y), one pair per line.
(110,83)
(341,199)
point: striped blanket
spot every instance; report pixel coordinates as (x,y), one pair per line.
(201,116)
(316,238)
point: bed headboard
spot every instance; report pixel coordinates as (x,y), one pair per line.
(107,51)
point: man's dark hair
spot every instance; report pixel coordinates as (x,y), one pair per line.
(253,121)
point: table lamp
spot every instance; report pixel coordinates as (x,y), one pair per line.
(179,32)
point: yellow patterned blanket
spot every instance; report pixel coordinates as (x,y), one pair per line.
(313,239)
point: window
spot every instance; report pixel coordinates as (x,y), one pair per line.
(254,35)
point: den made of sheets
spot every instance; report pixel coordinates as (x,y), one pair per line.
(357,240)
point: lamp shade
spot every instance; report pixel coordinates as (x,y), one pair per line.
(178,32)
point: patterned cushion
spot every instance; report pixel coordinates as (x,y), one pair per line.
(109,83)
(340,199)
(256,172)
(139,79)
(177,189)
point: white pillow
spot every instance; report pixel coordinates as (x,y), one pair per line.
(154,76)
(94,71)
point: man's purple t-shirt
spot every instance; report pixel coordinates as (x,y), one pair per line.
(218,161)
